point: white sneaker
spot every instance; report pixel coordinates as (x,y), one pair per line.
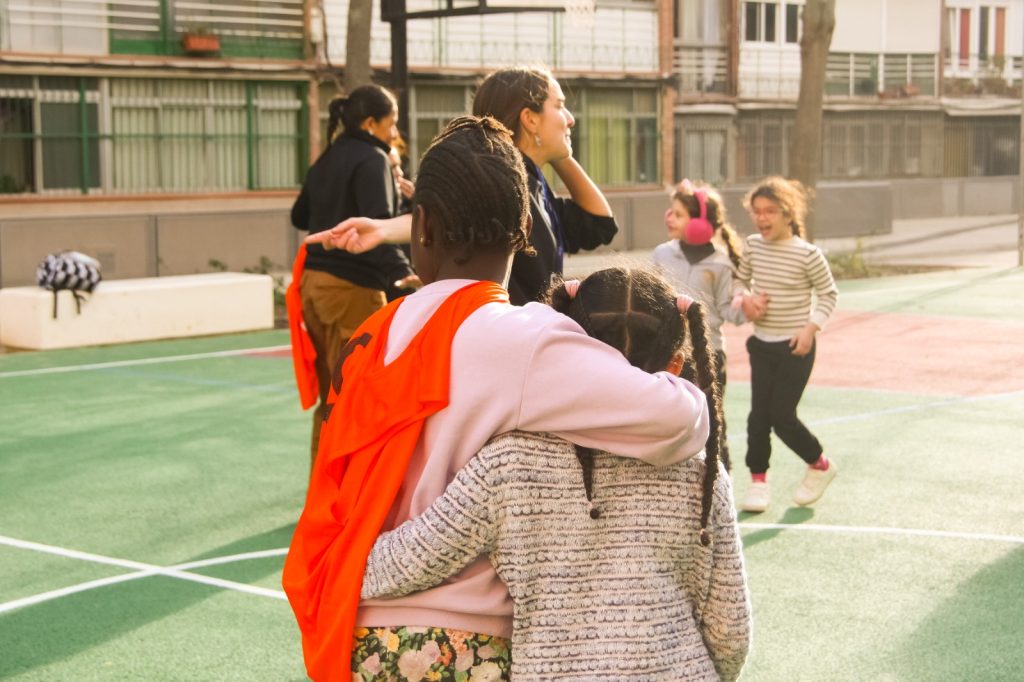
(757,498)
(814,484)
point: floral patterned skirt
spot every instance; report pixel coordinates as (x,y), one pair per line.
(412,654)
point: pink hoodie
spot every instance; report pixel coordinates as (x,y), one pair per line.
(533,369)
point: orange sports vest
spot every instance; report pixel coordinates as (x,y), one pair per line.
(374,419)
(303,352)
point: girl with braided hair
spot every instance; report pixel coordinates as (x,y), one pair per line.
(617,569)
(421,386)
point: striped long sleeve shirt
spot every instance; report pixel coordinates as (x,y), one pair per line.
(797,279)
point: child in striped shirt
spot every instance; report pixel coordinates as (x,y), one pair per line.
(795,275)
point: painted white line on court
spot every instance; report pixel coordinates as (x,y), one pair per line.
(262,554)
(72,589)
(881,530)
(142,570)
(139,361)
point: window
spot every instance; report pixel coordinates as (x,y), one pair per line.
(49,134)
(700,22)
(771,22)
(763,144)
(87,135)
(704,149)
(616,134)
(981,146)
(881,144)
(433,106)
(269,29)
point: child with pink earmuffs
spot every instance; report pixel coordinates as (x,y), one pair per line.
(699,259)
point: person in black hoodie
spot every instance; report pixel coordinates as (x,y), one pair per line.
(530,103)
(351,178)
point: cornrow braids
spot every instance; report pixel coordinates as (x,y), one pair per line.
(471,179)
(634,311)
(704,368)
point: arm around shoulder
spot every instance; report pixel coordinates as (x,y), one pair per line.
(424,551)
(586,392)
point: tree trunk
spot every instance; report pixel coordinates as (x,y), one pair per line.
(819,20)
(357,44)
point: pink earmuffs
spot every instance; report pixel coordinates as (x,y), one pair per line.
(699,230)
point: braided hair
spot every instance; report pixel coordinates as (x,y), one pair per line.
(634,310)
(471,179)
(715,214)
(371,101)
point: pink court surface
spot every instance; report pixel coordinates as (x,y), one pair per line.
(914,353)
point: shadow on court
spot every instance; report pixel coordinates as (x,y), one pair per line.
(52,631)
(975,635)
(792,517)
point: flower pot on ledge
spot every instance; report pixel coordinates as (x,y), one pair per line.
(200,43)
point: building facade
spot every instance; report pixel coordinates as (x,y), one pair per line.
(119,118)
(914,89)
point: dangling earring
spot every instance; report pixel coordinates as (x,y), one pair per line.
(536,141)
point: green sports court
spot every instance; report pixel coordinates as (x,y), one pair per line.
(148,493)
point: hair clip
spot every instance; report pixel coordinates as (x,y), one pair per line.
(571,287)
(686,186)
(683,303)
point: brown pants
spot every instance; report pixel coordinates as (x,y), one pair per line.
(333,309)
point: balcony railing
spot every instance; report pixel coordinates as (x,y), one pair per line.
(701,69)
(977,76)
(888,76)
(769,72)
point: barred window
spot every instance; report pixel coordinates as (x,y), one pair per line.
(616,134)
(763,144)
(122,135)
(982,145)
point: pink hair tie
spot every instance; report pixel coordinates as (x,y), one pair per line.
(571,287)
(685,186)
(683,303)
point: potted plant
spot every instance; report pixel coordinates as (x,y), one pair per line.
(200,41)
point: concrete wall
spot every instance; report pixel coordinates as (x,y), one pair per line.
(149,244)
(164,239)
(951,197)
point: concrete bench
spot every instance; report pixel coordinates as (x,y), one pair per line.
(126,310)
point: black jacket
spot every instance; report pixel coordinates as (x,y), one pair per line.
(352,178)
(531,275)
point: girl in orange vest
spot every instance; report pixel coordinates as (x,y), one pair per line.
(423,384)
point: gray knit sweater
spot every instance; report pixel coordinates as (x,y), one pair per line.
(628,595)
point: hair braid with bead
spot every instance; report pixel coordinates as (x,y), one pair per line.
(634,310)
(471,180)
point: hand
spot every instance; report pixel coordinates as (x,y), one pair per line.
(406,187)
(802,343)
(409,282)
(355,235)
(754,306)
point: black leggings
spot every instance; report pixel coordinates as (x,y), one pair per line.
(777,381)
